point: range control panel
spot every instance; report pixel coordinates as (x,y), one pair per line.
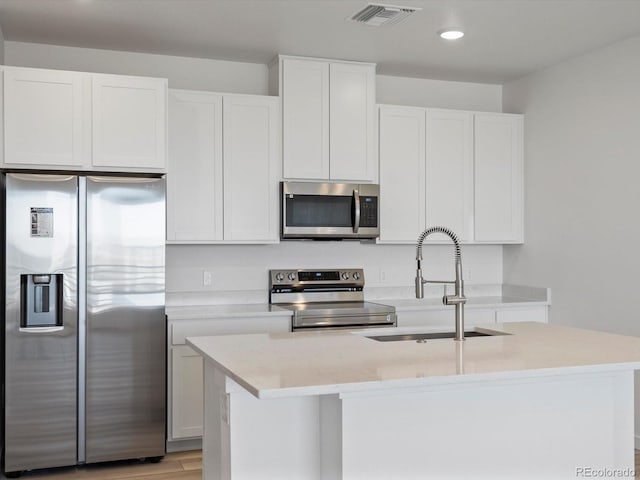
(327,278)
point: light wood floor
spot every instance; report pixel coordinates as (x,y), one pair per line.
(175,466)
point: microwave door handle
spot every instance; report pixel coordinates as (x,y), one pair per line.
(356,202)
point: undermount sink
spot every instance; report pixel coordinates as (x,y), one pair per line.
(433,335)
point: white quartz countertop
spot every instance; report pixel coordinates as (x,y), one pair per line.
(402,305)
(316,363)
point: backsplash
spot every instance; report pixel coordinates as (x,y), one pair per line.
(239,273)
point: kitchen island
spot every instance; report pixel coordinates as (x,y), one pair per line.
(531,401)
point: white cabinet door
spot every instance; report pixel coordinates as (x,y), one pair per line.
(129,123)
(529,314)
(251,168)
(204,327)
(186,393)
(352,122)
(186,377)
(445,317)
(498,178)
(194,175)
(305,113)
(449,172)
(44,118)
(402,177)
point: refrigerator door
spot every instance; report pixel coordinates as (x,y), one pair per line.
(125,322)
(40,321)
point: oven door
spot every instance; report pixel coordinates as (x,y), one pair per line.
(329,210)
(344,315)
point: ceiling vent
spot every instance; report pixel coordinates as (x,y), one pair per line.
(377,14)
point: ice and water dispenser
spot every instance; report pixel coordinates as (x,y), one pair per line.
(41,300)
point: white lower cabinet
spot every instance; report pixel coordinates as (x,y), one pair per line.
(186,393)
(185,402)
(520,314)
(445,317)
(224,168)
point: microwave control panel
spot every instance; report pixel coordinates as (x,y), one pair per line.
(368,211)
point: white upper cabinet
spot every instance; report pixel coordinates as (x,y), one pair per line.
(458,169)
(224,168)
(402,174)
(251,168)
(449,171)
(498,178)
(129,122)
(305,120)
(44,118)
(328,119)
(352,122)
(426,173)
(194,178)
(56,119)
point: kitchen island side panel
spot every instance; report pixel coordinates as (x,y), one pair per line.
(551,427)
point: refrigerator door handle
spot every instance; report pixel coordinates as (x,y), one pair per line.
(41,329)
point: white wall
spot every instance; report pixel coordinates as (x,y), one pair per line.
(423,92)
(582,192)
(244,268)
(182,72)
(582,150)
(238,77)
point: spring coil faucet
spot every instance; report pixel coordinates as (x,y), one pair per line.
(457,299)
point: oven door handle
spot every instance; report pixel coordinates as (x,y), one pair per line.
(356,203)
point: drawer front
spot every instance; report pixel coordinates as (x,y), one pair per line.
(181,329)
(531,314)
(445,318)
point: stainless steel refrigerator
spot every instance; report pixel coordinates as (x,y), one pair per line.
(84,322)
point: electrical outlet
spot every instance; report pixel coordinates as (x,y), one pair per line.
(383,276)
(207,278)
(224,411)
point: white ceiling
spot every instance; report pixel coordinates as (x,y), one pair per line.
(504,39)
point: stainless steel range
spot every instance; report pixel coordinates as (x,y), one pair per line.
(327,299)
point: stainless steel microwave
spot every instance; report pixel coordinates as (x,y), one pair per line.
(329,210)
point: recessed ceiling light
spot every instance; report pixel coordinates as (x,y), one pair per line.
(451,34)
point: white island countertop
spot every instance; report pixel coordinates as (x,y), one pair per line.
(317,363)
